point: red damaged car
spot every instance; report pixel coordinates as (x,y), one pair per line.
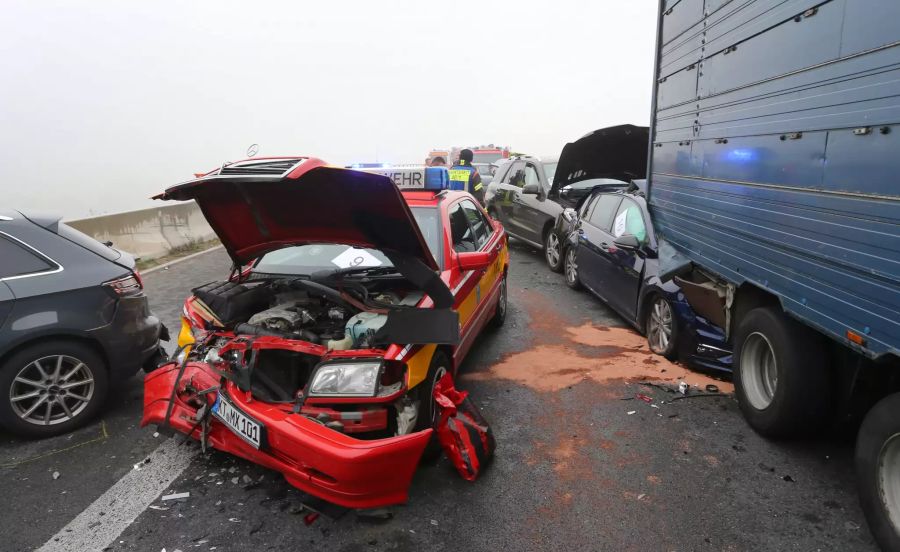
(318,356)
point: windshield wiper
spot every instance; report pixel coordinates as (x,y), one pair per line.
(355,271)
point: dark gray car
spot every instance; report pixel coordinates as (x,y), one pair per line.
(528,193)
(73,320)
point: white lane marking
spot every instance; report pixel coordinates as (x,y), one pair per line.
(122,503)
(182,259)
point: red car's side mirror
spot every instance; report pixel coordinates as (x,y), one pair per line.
(475,260)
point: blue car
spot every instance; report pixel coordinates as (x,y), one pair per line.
(611,249)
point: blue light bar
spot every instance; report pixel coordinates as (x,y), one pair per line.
(415,178)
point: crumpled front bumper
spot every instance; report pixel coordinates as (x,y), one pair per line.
(325,463)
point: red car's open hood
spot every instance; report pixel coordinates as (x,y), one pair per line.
(260,205)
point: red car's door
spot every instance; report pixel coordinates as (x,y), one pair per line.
(476,291)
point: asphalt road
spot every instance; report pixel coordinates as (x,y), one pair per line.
(581,463)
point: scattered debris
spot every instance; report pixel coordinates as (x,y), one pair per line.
(630,412)
(55,476)
(644,398)
(700,395)
(683,387)
(710,388)
(155,507)
(378,514)
(234,520)
(310,518)
(434,522)
(234,480)
(176,496)
(246,479)
(789,479)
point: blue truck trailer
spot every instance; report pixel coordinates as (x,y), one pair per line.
(774,179)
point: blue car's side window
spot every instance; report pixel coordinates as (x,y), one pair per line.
(603,212)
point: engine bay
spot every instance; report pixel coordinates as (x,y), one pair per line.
(339,318)
(316,317)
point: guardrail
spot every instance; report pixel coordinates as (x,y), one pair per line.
(149,233)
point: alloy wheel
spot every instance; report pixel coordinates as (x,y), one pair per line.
(659,328)
(571,267)
(552,250)
(503,301)
(759,370)
(51,390)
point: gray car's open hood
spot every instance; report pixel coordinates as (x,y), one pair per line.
(618,152)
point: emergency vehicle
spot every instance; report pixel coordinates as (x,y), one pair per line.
(353,292)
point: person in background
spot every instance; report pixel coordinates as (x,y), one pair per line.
(463,176)
(438,162)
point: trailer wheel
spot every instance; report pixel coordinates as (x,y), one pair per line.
(878,471)
(781,376)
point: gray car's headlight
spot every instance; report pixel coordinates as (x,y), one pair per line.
(351,379)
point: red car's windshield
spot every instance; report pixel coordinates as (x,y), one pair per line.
(307,259)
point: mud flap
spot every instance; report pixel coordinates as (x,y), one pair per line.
(462,431)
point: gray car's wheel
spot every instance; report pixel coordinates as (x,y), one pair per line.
(51,388)
(570,268)
(661,328)
(878,471)
(553,251)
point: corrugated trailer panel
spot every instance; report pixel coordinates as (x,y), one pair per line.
(781,166)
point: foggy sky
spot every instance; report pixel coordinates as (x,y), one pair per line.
(103,104)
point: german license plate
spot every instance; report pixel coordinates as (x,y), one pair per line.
(245,427)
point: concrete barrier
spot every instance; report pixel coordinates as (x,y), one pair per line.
(149,233)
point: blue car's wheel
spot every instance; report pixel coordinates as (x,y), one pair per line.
(570,264)
(661,328)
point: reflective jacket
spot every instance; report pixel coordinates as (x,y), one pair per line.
(466,178)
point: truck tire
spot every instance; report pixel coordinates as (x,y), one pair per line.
(878,471)
(781,376)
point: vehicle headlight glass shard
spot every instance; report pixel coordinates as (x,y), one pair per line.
(356,379)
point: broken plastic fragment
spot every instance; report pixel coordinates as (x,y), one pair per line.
(176,496)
